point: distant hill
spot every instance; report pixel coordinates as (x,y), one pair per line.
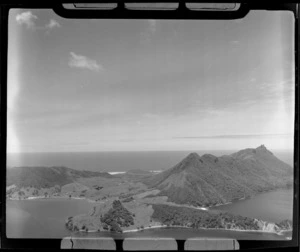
(210,180)
(45,177)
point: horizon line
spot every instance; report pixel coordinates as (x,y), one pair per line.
(107,151)
(235,136)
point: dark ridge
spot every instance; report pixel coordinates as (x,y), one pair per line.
(46,177)
(192,156)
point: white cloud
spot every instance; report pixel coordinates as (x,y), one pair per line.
(26,18)
(149,31)
(80,61)
(152,25)
(235,42)
(52,24)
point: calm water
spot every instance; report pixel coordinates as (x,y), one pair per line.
(272,206)
(116,161)
(42,217)
(46,218)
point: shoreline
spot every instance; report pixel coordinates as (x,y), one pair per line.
(216,229)
(243,198)
(141,229)
(56,197)
(124,172)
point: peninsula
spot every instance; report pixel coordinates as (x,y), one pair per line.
(178,197)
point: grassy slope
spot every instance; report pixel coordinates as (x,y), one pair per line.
(110,216)
(45,177)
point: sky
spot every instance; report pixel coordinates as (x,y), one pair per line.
(140,85)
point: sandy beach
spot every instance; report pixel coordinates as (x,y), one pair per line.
(224,229)
(217,229)
(57,197)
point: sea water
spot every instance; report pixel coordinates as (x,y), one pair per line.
(273,206)
(45,218)
(116,161)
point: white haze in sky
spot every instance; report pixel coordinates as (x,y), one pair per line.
(138,85)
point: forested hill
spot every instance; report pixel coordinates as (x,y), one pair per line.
(44,177)
(209,180)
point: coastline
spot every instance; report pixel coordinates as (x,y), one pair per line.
(241,199)
(249,197)
(204,208)
(56,197)
(279,232)
(124,172)
(94,201)
(216,229)
(141,229)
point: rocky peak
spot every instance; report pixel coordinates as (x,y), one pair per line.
(208,157)
(193,156)
(191,160)
(263,149)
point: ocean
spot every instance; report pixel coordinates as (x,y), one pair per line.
(117,161)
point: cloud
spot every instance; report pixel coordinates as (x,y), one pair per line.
(80,61)
(278,91)
(236,136)
(149,31)
(26,18)
(52,24)
(152,25)
(235,42)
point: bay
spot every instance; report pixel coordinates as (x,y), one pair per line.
(273,206)
(45,218)
(42,218)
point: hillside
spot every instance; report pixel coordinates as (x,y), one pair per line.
(199,181)
(187,217)
(210,180)
(46,177)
